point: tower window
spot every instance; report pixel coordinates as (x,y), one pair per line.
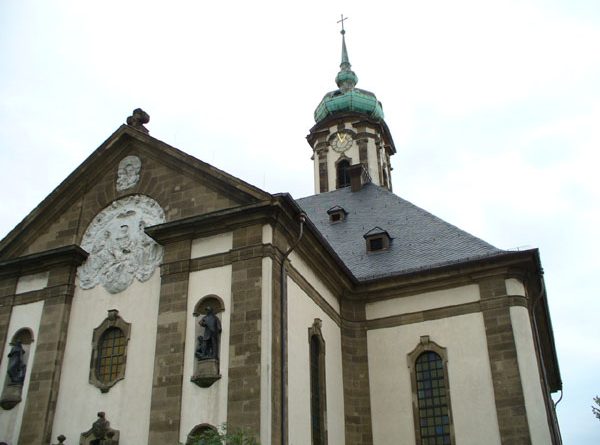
(343,177)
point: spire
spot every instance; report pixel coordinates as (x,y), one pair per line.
(346,78)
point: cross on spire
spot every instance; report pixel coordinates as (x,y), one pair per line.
(342,22)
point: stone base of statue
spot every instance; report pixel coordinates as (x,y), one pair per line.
(206,372)
(11,396)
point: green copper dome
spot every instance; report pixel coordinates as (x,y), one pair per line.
(347,97)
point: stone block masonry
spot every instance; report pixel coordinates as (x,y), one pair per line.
(508,390)
(243,398)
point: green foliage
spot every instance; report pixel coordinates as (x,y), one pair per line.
(223,437)
(596,409)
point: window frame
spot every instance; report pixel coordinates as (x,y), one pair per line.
(339,170)
(427,345)
(113,320)
(315,332)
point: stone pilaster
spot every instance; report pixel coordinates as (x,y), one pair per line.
(40,407)
(508,390)
(357,400)
(165,409)
(323,176)
(8,286)
(243,398)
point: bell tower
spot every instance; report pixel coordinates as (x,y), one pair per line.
(349,129)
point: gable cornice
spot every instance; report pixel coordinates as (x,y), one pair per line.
(78,182)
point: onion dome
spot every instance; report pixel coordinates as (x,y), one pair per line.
(348,98)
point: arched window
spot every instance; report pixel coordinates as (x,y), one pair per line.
(317,384)
(109,351)
(434,419)
(431,395)
(343,177)
(111,355)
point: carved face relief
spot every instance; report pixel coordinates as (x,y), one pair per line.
(128,174)
(118,247)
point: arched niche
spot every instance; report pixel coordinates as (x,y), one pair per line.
(207,340)
(210,300)
(16,371)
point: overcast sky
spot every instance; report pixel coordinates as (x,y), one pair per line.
(494,107)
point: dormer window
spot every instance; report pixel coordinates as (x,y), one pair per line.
(377,239)
(336,214)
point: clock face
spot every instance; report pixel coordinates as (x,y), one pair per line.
(341,142)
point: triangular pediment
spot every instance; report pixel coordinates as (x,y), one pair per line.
(181,184)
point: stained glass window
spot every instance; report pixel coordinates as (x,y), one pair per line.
(111,355)
(434,416)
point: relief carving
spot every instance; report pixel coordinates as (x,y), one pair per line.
(128,173)
(118,247)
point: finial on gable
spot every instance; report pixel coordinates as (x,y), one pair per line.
(137,120)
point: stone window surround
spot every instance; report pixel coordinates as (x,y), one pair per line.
(425,345)
(342,158)
(336,214)
(374,235)
(199,429)
(315,332)
(113,320)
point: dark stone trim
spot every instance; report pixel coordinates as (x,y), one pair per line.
(244,372)
(44,383)
(506,377)
(67,255)
(165,407)
(355,375)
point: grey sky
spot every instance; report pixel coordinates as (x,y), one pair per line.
(494,107)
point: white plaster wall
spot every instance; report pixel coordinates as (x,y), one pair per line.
(210,245)
(514,287)
(308,273)
(530,377)
(301,313)
(267,234)
(472,396)
(28,283)
(422,302)
(127,403)
(372,159)
(23,316)
(205,405)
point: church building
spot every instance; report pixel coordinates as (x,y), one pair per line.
(151,297)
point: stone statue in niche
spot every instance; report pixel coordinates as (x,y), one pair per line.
(208,343)
(16,364)
(119,249)
(128,173)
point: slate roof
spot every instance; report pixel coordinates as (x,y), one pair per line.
(420,240)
